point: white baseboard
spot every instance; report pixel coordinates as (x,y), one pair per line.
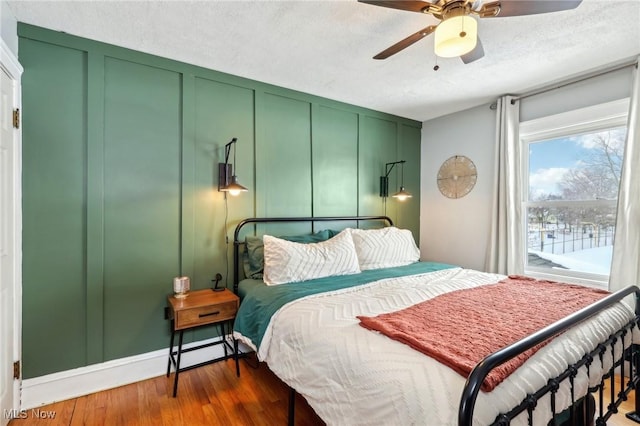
(81,381)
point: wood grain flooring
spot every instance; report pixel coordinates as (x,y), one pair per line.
(210,395)
(626,407)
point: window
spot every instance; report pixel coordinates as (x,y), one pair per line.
(571,167)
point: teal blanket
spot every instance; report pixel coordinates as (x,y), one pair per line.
(262,301)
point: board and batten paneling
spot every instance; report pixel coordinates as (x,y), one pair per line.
(335,162)
(408,211)
(283,175)
(53,218)
(377,147)
(221,112)
(120,186)
(142,145)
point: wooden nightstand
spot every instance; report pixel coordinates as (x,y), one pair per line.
(201,307)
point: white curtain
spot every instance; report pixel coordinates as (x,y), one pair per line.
(505,253)
(625,264)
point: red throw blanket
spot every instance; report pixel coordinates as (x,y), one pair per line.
(462,327)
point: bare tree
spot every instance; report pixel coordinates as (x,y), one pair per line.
(598,176)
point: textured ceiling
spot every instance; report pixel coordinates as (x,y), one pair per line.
(326,47)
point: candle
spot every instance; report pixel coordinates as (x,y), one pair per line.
(181,286)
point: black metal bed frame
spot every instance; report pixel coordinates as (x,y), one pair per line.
(629,378)
(630,353)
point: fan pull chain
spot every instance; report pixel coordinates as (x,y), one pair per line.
(463,33)
(436,67)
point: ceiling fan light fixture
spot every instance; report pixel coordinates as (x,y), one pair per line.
(456,36)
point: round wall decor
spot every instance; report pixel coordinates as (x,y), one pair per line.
(457,176)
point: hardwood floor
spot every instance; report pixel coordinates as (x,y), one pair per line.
(627,406)
(210,395)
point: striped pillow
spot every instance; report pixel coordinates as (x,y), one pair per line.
(287,261)
(385,247)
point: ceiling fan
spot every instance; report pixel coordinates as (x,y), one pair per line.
(457,33)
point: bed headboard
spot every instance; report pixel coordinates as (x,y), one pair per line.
(256,220)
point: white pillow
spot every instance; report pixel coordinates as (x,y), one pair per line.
(286,261)
(384,247)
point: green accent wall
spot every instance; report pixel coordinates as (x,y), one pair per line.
(120,163)
(141,158)
(335,162)
(54,218)
(283,169)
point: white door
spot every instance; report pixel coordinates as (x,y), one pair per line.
(9,250)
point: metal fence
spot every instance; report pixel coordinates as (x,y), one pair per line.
(564,238)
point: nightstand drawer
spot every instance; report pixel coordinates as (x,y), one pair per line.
(206,314)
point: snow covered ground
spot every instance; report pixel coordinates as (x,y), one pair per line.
(595,260)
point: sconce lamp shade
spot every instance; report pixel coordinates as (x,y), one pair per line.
(402,194)
(456,36)
(234,188)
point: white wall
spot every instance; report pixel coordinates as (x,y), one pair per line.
(457,231)
(8,27)
(605,88)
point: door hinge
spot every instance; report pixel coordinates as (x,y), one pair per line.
(16,118)
(16,370)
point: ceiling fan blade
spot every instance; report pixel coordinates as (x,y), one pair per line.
(531,7)
(475,54)
(403,44)
(411,6)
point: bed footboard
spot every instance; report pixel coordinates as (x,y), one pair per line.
(627,366)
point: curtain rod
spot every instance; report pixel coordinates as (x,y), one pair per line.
(633,63)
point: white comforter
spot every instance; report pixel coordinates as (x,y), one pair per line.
(353,376)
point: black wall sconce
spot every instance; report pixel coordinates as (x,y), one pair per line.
(402,194)
(227,179)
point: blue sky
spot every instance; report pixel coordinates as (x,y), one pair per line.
(549,160)
(555,153)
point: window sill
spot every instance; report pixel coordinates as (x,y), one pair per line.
(595,281)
